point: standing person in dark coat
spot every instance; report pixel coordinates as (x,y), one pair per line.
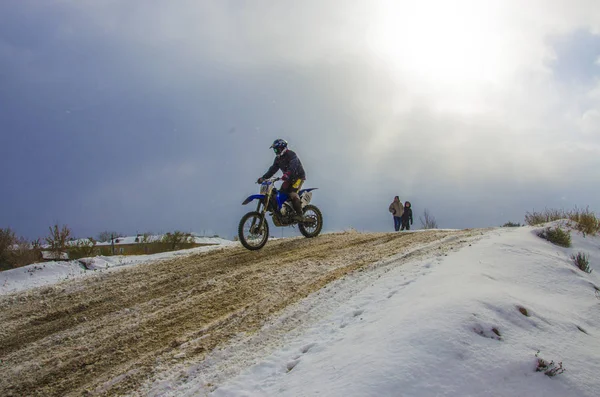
(407,216)
(396,210)
(293,174)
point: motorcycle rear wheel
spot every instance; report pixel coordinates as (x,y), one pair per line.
(250,236)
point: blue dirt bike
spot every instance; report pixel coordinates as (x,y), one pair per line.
(253,230)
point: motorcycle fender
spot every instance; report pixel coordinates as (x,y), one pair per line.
(301,192)
(306,198)
(253,197)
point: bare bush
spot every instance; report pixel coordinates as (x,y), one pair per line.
(550,369)
(57,239)
(428,220)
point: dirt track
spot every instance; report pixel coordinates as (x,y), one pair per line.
(106,334)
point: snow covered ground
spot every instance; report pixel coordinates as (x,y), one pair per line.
(46,273)
(465,323)
(464,319)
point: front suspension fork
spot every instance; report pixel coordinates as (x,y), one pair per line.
(262,213)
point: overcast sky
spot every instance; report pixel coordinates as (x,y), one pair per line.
(148,115)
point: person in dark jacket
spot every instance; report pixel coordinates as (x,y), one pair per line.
(293,174)
(396,209)
(407,216)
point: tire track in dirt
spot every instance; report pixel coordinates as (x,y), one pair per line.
(106,334)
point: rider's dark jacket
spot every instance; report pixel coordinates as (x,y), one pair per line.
(287,163)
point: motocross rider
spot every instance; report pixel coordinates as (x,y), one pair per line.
(293,174)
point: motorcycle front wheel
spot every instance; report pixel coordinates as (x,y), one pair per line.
(250,234)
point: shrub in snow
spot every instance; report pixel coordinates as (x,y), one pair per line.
(548,368)
(511,224)
(587,222)
(548,215)
(582,261)
(556,236)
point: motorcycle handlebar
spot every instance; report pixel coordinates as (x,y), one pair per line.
(274,179)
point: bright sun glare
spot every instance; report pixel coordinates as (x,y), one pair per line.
(440,43)
(448,53)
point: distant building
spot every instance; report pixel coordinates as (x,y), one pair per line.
(54,256)
(140,244)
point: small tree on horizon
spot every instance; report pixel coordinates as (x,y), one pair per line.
(7,241)
(57,239)
(17,251)
(428,220)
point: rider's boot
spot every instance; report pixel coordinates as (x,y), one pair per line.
(297,204)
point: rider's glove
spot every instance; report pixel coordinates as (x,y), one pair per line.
(285,176)
(260,180)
